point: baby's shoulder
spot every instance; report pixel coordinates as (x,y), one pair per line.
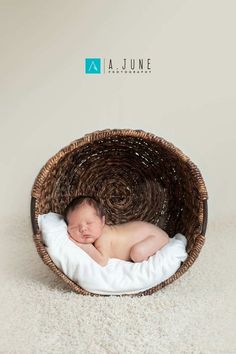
(103,241)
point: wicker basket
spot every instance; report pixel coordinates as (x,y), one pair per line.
(137,176)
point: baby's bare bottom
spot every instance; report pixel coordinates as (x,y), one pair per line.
(142,250)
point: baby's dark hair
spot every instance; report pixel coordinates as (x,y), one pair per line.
(83,199)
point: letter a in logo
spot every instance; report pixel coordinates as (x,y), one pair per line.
(92,66)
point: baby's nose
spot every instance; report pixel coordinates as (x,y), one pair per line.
(83,228)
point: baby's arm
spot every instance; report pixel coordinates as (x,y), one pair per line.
(96,254)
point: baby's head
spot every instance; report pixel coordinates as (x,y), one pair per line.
(85,219)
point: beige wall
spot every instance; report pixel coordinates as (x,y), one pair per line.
(47,101)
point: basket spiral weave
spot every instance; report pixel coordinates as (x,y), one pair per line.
(137,176)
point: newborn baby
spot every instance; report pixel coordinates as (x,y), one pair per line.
(132,241)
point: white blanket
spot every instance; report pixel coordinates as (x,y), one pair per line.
(118,276)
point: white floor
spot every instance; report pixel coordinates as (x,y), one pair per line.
(40,314)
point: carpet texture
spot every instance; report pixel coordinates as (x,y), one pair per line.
(40,314)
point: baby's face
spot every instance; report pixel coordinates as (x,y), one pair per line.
(84,225)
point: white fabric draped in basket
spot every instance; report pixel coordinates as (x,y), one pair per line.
(117,277)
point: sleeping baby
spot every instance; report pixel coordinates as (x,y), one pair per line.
(132,241)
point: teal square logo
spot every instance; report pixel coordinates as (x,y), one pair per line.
(92,66)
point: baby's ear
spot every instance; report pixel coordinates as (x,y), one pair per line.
(103,220)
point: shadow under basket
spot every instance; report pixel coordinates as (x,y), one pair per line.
(137,176)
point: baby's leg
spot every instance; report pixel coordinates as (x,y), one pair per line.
(142,250)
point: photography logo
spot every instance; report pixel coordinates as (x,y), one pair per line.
(93,66)
(123,66)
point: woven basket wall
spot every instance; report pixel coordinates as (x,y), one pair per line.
(137,176)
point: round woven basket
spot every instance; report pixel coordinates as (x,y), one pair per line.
(137,176)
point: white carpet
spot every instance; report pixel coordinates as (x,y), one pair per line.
(40,314)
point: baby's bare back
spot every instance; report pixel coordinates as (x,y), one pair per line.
(118,240)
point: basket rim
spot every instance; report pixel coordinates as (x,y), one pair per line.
(91,137)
